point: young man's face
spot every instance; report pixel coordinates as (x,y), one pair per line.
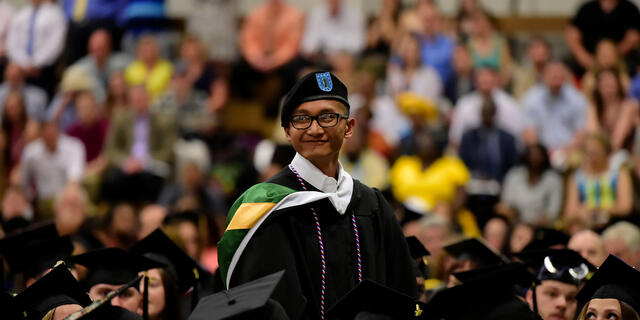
(556,300)
(317,143)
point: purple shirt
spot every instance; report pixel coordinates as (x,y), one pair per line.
(140,147)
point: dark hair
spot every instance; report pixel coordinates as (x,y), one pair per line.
(172,295)
(546,163)
(8,126)
(628,313)
(597,96)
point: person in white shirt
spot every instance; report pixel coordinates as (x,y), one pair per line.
(6,14)
(466,114)
(51,162)
(36,39)
(334,27)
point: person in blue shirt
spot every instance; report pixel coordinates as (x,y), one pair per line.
(436,49)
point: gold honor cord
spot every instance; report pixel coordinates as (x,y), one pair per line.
(94,305)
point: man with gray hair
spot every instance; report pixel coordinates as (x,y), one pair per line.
(623,240)
(589,245)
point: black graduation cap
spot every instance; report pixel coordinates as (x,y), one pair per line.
(486,295)
(476,250)
(416,248)
(14,225)
(107,311)
(35,250)
(562,265)
(373,298)
(246,301)
(545,238)
(102,309)
(12,308)
(113,265)
(160,247)
(319,85)
(615,279)
(56,288)
(179,216)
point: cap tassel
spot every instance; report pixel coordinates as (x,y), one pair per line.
(145,297)
(194,294)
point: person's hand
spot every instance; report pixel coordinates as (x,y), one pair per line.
(132,165)
(585,60)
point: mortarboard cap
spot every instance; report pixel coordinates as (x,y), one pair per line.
(416,248)
(102,309)
(562,265)
(34,250)
(615,279)
(321,85)
(12,308)
(56,288)
(189,215)
(159,247)
(246,301)
(546,238)
(113,265)
(475,250)
(109,312)
(374,299)
(487,294)
(13,225)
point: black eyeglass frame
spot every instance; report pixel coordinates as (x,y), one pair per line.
(316,118)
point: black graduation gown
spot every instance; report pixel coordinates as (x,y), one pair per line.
(288,240)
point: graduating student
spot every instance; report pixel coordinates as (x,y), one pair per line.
(613,292)
(485,294)
(33,251)
(111,268)
(169,285)
(326,229)
(559,274)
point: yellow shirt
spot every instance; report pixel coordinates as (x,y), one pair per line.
(155,80)
(434,185)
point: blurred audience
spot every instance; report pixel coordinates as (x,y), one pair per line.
(36,40)
(149,68)
(461,81)
(436,48)
(101,61)
(530,72)
(333,26)
(611,111)
(407,74)
(596,192)
(554,111)
(467,112)
(589,245)
(618,20)
(139,148)
(606,57)
(532,192)
(487,48)
(35,99)
(623,240)
(429,180)
(49,164)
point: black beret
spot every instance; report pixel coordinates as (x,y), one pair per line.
(313,86)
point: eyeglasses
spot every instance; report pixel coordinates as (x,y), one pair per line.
(325,120)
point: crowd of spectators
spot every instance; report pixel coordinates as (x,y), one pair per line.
(112,126)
